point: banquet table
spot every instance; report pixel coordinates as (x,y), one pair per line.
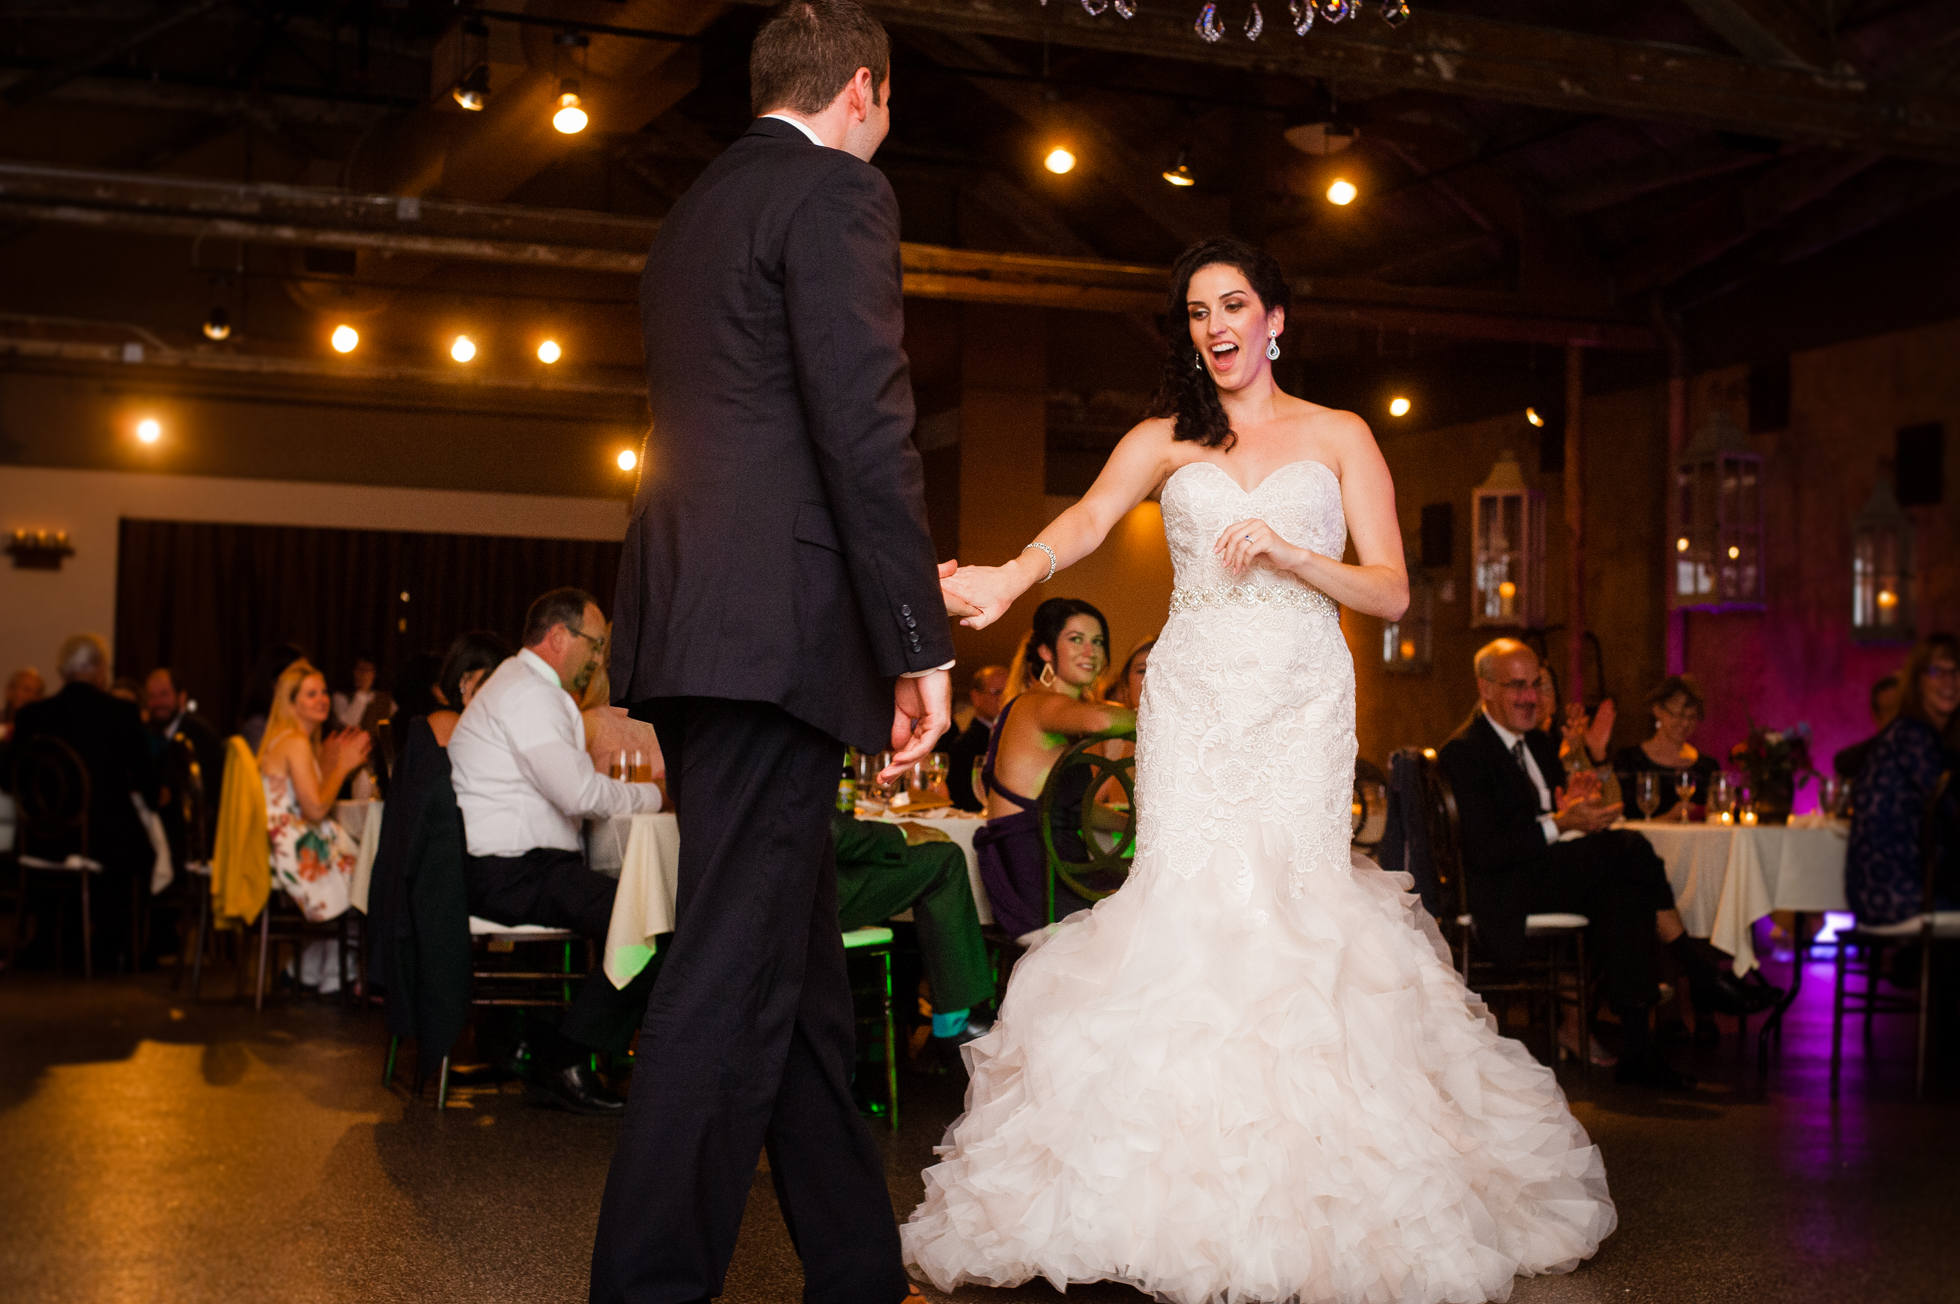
(1727,876)
(643,852)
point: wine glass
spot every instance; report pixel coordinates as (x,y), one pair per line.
(1684,788)
(1647,793)
(936,766)
(1720,795)
(1830,795)
(616,768)
(642,772)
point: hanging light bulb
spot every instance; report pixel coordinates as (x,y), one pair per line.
(1059,160)
(345,339)
(473,90)
(463,349)
(218,325)
(1398,406)
(1342,192)
(627,459)
(1531,415)
(570,117)
(1180,175)
(149,430)
(549,351)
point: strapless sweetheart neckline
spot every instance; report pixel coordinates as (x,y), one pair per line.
(1263,481)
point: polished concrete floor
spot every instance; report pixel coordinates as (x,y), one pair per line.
(152,1149)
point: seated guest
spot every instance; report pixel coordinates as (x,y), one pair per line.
(1884,705)
(1516,810)
(1582,741)
(1127,688)
(985,690)
(524,782)
(256,705)
(1677,711)
(167,711)
(470,661)
(883,869)
(124,689)
(302,767)
(1884,879)
(1062,658)
(26,685)
(107,733)
(366,705)
(613,735)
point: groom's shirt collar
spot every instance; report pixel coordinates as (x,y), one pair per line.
(803,127)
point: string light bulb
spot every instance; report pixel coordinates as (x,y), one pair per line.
(570,118)
(1734,552)
(1681,544)
(149,430)
(473,90)
(463,349)
(627,459)
(1179,174)
(1342,192)
(1398,406)
(345,339)
(218,325)
(1531,415)
(1059,160)
(549,352)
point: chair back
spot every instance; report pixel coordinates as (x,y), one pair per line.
(1106,867)
(1370,807)
(184,776)
(51,788)
(381,756)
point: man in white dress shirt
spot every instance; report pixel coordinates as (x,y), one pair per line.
(524,783)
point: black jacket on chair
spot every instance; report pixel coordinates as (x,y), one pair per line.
(1502,838)
(107,733)
(773,323)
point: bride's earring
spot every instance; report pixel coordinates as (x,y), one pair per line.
(1197,360)
(1272,347)
(1047,676)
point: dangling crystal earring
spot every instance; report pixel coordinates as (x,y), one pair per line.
(1272,348)
(1047,677)
(1197,360)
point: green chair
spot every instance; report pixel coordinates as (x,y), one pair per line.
(875,944)
(1109,850)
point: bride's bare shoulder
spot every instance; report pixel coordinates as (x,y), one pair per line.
(1343,435)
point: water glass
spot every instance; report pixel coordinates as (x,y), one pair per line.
(616,768)
(1647,793)
(1720,798)
(1830,795)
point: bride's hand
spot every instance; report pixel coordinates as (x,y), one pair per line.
(987,590)
(1242,544)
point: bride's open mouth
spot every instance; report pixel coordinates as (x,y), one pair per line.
(1224,355)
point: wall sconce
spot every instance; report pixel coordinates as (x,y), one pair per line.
(40,549)
(1717,548)
(1406,642)
(1881,568)
(1507,533)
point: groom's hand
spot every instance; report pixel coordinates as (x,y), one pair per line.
(924,709)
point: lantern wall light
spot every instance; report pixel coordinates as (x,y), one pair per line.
(1881,568)
(1407,643)
(1507,533)
(1718,521)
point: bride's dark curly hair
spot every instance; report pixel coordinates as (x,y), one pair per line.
(1187,392)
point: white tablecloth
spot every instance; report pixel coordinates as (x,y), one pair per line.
(644,853)
(1727,876)
(362,820)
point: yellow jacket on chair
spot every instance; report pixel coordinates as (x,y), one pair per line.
(241,861)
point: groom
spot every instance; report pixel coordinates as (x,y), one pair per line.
(777,599)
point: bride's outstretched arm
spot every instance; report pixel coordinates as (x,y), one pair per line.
(1138,464)
(1379,584)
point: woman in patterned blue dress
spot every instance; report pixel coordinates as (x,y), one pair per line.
(1883,878)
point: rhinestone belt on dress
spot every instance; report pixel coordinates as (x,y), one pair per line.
(1293,597)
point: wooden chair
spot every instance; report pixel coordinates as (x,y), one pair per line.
(1107,866)
(1557,936)
(190,798)
(51,789)
(1866,950)
(875,944)
(1370,807)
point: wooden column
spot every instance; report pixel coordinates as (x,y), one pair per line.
(1676,652)
(1575,523)
(1003,420)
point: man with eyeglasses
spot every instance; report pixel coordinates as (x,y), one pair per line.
(524,783)
(1536,842)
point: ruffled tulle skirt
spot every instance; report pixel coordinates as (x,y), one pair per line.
(1249,1095)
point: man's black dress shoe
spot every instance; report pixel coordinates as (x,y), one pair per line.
(578,1089)
(1652,1072)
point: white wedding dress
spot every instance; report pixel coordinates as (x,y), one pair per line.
(1252,1074)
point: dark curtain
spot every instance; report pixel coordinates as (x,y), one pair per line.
(205,599)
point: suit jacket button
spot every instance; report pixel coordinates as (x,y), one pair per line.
(904,610)
(911,623)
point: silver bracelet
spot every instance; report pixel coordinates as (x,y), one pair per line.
(1053,561)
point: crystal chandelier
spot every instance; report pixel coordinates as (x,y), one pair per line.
(1300,15)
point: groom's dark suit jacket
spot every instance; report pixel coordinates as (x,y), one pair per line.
(777,549)
(1503,841)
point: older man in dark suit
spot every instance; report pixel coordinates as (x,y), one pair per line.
(777,599)
(107,733)
(1518,814)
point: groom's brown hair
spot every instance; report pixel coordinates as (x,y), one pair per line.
(809,50)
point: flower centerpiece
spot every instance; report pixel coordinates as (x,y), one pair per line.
(1776,761)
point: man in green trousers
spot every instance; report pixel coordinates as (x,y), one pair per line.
(885,869)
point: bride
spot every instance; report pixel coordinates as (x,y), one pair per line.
(1252,1074)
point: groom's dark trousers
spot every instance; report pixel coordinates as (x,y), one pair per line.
(777,577)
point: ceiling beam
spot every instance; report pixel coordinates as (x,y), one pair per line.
(1765,30)
(1661,169)
(1457,54)
(1705,231)
(52,78)
(603,243)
